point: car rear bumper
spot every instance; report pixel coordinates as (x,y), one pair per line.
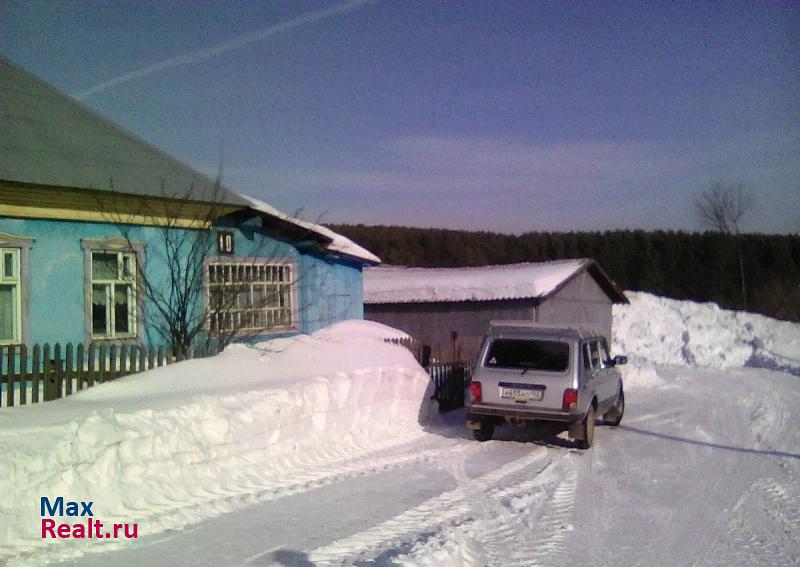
(477,411)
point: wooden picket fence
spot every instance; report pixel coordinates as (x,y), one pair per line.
(46,373)
(450,379)
(457,351)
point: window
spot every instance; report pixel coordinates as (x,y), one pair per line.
(10,313)
(113,294)
(249,296)
(595,355)
(605,356)
(545,356)
(587,359)
(591,356)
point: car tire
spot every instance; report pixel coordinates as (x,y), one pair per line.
(587,430)
(613,416)
(485,432)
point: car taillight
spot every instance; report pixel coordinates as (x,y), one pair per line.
(475,392)
(570,399)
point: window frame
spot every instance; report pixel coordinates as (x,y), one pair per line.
(15,284)
(591,347)
(605,353)
(111,285)
(121,247)
(20,246)
(596,358)
(586,357)
(244,262)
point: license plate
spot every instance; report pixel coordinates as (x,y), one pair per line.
(520,395)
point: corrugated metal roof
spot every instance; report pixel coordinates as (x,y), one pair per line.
(48,138)
(530,280)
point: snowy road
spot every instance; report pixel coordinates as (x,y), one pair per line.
(705,470)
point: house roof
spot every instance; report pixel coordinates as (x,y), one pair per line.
(333,241)
(486,283)
(48,138)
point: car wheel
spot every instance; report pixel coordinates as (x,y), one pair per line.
(587,430)
(614,415)
(485,432)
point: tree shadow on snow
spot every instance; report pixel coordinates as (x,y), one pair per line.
(780,454)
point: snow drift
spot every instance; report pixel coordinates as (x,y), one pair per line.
(656,330)
(177,444)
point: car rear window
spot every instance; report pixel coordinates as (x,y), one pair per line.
(546,356)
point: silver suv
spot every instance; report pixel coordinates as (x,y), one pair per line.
(528,372)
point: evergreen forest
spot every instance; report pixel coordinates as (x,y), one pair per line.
(681,265)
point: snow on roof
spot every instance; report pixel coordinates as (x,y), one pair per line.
(337,242)
(485,283)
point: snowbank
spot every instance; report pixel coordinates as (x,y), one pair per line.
(172,446)
(656,330)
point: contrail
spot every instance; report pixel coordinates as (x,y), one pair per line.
(200,54)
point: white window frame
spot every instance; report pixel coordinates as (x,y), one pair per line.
(124,247)
(111,287)
(14,280)
(262,273)
(23,245)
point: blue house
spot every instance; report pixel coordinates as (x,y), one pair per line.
(95,223)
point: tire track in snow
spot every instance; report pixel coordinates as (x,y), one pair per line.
(332,466)
(531,520)
(299,475)
(762,530)
(535,521)
(451,508)
(521,525)
(558,521)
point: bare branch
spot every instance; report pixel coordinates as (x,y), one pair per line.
(724,206)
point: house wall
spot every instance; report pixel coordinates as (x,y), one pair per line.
(327,290)
(581,301)
(331,290)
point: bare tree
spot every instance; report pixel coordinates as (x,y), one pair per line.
(186,295)
(723,207)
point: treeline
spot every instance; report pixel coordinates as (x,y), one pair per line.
(681,265)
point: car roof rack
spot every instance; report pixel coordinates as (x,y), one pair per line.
(580,330)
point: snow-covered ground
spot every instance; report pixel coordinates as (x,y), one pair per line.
(323,451)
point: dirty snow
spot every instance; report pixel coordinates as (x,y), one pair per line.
(280,468)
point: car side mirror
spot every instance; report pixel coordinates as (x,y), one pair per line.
(620,359)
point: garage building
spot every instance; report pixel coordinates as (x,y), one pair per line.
(450,308)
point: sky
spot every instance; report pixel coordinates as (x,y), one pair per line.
(500,116)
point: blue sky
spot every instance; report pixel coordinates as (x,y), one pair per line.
(504,116)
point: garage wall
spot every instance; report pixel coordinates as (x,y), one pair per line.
(581,301)
(432,323)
